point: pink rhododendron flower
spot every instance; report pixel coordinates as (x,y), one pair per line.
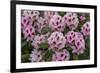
(70,37)
(25,21)
(76,41)
(48,15)
(70,19)
(32,14)
(79,43)
(61,55)
(86,29)
(36,56)
(29,33)
(56,41)
(40,24)
(38,40)
(56,23)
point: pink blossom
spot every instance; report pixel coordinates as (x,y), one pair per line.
(32,14)
(56,23)
(40,24)
(29,33)
(61,55)
(79,43)
(70,19)
(48,15)
(36,56)
(76,41)
(25,21)
(38,40)
(70,37)
(86,29)
(56,41)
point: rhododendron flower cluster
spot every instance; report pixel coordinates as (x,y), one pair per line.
(86,29)
(36,56)
(27,28)
(48,15)
(33,15)
(76,41)
(40,24)
(71,20)
(38,40)
(66,37)
(56,41)
(61,56)
(56,23)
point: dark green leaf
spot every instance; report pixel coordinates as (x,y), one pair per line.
(65,30)
(26,48)
(43,45)
(75,57)
(62,13)
(48,55)
(86,54)
(25,57)
(46,30)
(23,44)
(69,49)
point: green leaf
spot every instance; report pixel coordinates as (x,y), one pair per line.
(26,48)
(66,30)
(48,55)
(75,57)
(62,13)
(69,49)
(86,54)
(23,44)
(43,45)
(25,58)
(46,30)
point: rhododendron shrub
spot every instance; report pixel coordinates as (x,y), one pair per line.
(54,36)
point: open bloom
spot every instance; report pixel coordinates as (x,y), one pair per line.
(56,41)
(61,55)
(40,24)
(25,21)
(36,56)
(29,33)
(70,19)
(86,29)
(70,37)
(32,14)
(76,41)
(48,15)
(79,44)
(38,40)
(56,23)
